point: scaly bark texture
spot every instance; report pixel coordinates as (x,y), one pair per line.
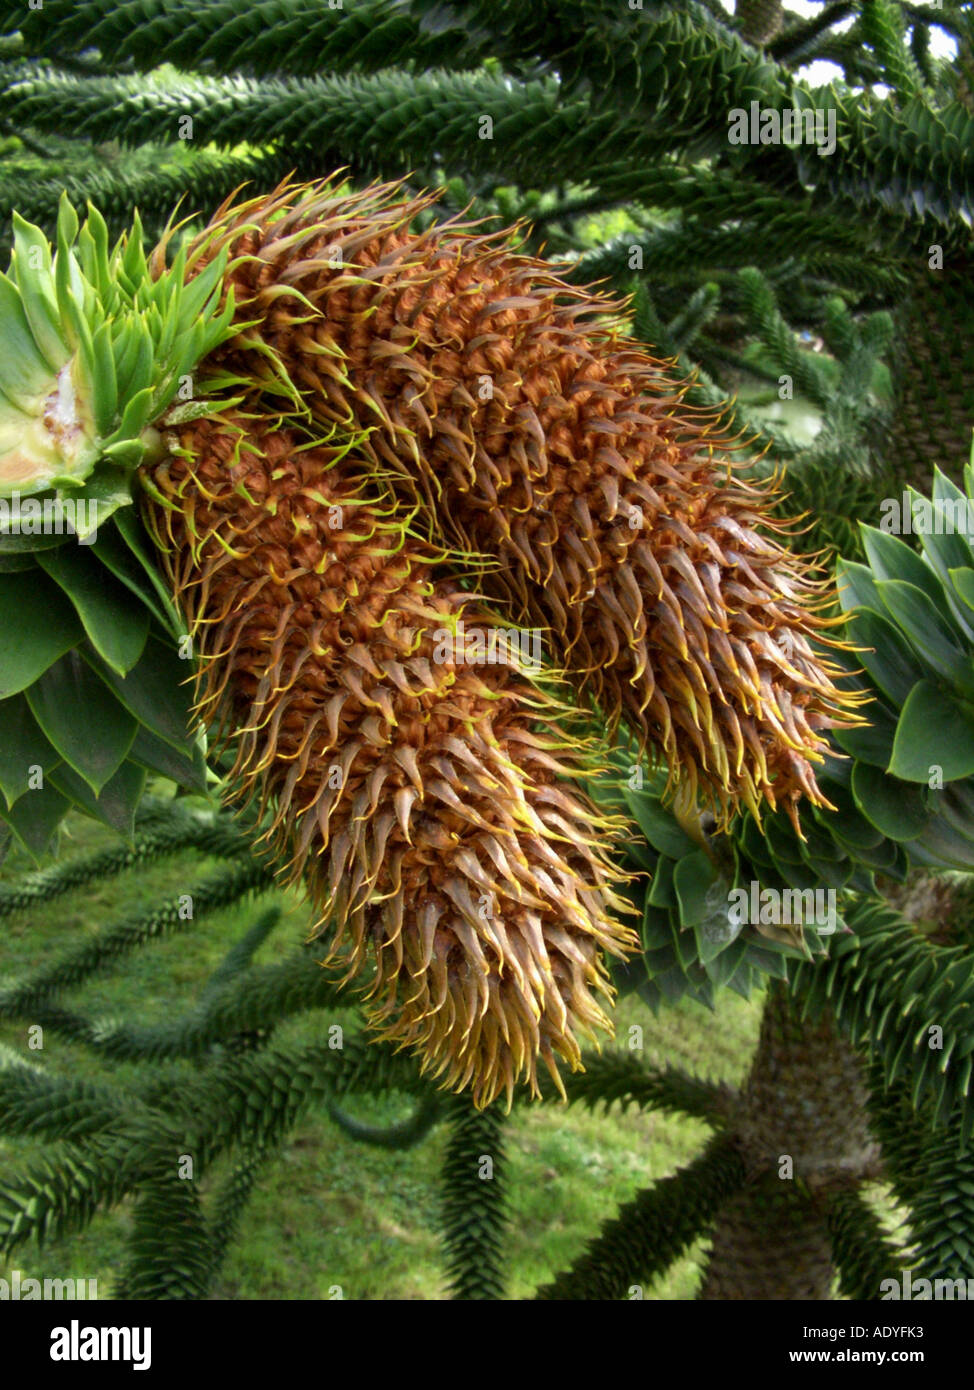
(412,783)
(934,373)
(536,434)
(804,1099)
(760,21)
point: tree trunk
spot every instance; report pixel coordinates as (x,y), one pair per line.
(759,21)
(934,370)
(801,1126)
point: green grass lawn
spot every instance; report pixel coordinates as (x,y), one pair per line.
(330,1212)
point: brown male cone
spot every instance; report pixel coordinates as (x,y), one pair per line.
(412,783)
(537,434)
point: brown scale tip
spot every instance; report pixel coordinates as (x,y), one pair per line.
(414,777)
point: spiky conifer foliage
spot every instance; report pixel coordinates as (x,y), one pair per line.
(673,212)
(214,1082)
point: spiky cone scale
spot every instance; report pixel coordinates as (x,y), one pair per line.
(536,434)
(413,786)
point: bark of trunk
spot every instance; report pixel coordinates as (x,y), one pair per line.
(759,21)
(933,372)
(801,1127)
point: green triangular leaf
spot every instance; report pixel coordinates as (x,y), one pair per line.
(81,719)
(886,655)
(22,747)
(935,730)
(162,758)
(659,825)
(115,804)
(154,691)
(39,626)
(118,557)
(701,889)
(116,624)
(898,810)
(34,818)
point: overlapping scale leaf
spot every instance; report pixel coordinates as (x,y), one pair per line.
(95,345)
(92,690)
(93,695)
(908,612)
(704,922)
